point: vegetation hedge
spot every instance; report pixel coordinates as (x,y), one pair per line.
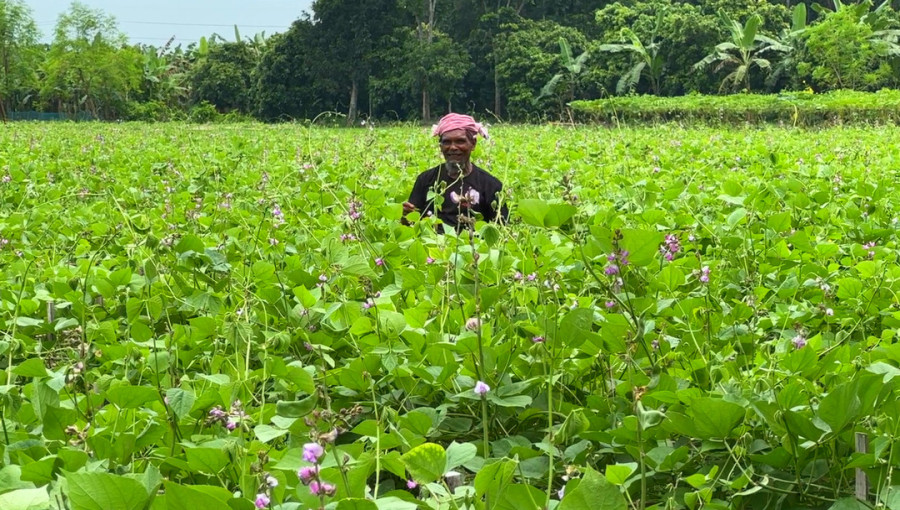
(797,108)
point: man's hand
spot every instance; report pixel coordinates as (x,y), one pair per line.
(408,207)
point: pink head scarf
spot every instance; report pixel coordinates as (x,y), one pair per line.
(454,121)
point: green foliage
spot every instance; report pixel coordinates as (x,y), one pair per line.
(88,68)
(799,108)
(844,52)
(185,312)
(528,53)
(223,78)
(18,55)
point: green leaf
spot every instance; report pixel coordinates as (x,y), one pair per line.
(841,406)
(207,460)
(617,474)
(575,327)
(104,491)
(266,433)
(195,497)
(33,367)
(493,478)
(736,217)
(518,496)
(25,499)
(593,493)
(642,245)
(458,454)
(180,401)
(356,504)
(425,462)
(714,417)
(296,408)
(131,397)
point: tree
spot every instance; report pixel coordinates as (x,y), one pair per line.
(89,67)
(431,70)
(223,78)
(18,54)
(649,59)
(349,36)
(843,51)
(573,67)
(742,52)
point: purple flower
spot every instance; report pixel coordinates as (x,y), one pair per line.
(537,339)
(799,341)
(704,274)
(481,388)
(231,425)
(561,493)
(655,344)
(308,473)
(610,304)
(323,278)
(216,413)
(379,261)
(368,304)
(271,481)
(611,269)
(473,324)
(532,277)
(262,501)
(321,488)
(518,276)
(411,484)
(312,452)
(429,260)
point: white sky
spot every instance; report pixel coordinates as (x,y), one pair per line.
(154,22)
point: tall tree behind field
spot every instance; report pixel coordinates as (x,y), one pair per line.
(89,67)
(223,77)
(18,54)
(348,36)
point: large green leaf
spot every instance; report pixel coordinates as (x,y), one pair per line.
(714,417)
(131,397)
(195,497)
(425,462)
(25,499)
(642,245)
(593,493)
(180,401)
(104,491)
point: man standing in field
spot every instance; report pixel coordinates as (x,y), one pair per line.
(459,187)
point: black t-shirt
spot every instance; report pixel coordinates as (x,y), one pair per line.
(479,192)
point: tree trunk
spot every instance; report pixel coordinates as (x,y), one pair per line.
(426,104)
(497,111)
(354,94)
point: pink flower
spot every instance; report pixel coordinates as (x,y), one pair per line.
(262,501)
(379,261)
(704,274)
(429,260)
(322,488)
(481,388)
(537,339)
(411,484)
(308,474)
(610,304)
(312,452)
(799,341)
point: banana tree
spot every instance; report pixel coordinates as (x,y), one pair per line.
(573,66)
(742,52)
(649,59)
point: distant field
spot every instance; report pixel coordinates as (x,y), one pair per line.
(673,319)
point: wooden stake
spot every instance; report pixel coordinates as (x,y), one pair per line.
(862,480)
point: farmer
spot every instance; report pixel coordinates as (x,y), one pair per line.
(466,187)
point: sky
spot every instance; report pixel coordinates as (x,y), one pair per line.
(154,22)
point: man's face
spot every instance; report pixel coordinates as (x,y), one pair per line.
(456,146)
